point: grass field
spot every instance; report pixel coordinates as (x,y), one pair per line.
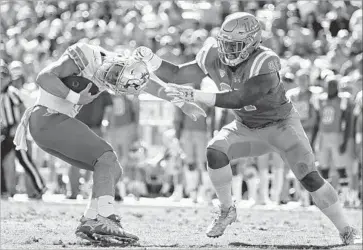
(47,225)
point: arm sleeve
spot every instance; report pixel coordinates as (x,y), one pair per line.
(191,72)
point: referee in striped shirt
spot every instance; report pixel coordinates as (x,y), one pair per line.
(11,109)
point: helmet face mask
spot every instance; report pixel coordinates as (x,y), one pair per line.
(123,75)
(238,37)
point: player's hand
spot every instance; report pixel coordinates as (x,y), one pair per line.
(146,55)
(225,87)
(342,148)
(180,93)
(143,53)
(86,97)
(193,110)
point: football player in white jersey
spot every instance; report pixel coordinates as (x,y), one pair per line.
(53,127)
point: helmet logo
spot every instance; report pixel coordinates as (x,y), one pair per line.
(222,72)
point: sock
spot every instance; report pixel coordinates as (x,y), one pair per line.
(221,179)
(252,188)
(277,183)
(105,205)
(327,200)
(91,210)
(237,187)
(264,181)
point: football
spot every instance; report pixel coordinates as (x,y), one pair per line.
(79,83)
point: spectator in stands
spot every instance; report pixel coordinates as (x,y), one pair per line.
(340,20)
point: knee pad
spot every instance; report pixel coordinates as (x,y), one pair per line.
(192,166)
(324,173)
(312,181)
(216,159)
(342,173)
(109,161)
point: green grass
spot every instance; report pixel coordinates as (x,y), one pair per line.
(39,225)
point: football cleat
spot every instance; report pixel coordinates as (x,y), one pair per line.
(85,229)
(219,224)
(349,236)
(110,231)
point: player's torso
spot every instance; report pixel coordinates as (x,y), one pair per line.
(273,107)
(331,115)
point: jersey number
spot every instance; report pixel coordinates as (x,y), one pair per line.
(328,115)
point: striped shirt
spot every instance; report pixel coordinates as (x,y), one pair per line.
(10,108)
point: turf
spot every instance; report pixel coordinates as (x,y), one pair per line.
(40,225)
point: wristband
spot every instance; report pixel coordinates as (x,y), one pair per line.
(73,97)
(207,98)
(179,104)
(154,63)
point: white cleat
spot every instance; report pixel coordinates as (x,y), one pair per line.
(219,224)
(350,236)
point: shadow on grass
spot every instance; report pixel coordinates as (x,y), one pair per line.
(241,244)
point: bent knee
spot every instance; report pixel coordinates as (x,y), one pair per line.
(216,159)
(312,181)
(109,160)
(302,165)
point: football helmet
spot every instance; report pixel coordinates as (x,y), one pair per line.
(239,36)
(123,75)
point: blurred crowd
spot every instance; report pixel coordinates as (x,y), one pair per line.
(316,40)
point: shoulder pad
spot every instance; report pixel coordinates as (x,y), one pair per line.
(292,93)
(201,57)
(264,63)
(79,53)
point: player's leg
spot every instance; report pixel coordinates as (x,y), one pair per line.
(277,181)
(201,142)
(232,142)
(73,142)
(191,171)
(263,172)
(251,174)
(290,139)
(237,179)
(27,163)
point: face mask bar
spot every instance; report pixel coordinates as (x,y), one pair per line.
(236,49)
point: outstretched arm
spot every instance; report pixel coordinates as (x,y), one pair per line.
(254,90)
(156,87)
(168,72)
(180,74)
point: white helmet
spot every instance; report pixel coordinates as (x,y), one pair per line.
(123,75)
(239,36)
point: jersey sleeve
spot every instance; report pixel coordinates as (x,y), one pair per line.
(80,53)
(266,62)
(205,56)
